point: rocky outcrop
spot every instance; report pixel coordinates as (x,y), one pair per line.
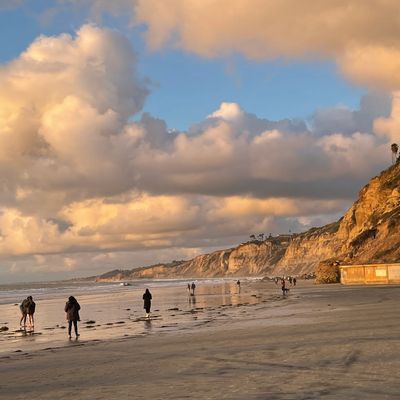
(369,232)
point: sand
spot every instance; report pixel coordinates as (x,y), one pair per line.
(321,342)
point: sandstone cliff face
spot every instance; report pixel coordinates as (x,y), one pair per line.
(306,250)
(254,258)
(368,232)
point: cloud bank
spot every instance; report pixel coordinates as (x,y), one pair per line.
(361,36)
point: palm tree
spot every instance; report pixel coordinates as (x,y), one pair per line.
(395,148)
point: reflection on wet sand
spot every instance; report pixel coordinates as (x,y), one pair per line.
(115,315)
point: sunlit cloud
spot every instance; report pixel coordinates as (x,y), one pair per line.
(362,37)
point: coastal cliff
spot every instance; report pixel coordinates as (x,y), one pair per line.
(368,232)
(253,258)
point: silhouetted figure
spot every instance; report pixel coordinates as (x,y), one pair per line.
(193,288)
(31,307)
(284,289)
(24,311)
(72,308)
(188,286)
(147,302)
(290,280)
(294,281)
(238,285)
(27,308)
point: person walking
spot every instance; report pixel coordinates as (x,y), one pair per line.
(188,286)
(238,285)
(72,308)
(284,289)
(30,309)
(24,311)
(193,288)
(147,302)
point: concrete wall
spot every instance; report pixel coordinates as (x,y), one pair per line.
(370,274)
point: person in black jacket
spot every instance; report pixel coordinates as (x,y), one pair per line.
(72,308)
(30,308)
(147,302)
(24,312)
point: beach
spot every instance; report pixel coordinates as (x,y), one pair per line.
(318,342)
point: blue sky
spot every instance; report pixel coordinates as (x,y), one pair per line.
(185,87)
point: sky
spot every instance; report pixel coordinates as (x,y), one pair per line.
(145,131)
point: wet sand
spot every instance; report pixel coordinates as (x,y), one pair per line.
(110,315)
(320,342)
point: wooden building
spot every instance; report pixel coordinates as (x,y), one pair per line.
(370,274)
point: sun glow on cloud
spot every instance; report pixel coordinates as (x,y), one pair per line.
(83,185)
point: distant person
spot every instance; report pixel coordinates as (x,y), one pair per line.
(193,288)
(188,286)
(284,289)
(238,285)
(72,308)
(30,308)
(290,280)
(24,311)
(147,302)
(294,281)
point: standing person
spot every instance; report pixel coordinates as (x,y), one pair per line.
(238,285)
(24,311)
(30,309)
(193,288)
(188,287)
(290,280)
(72,308)
(294,281)
(284,290)
(147,302)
